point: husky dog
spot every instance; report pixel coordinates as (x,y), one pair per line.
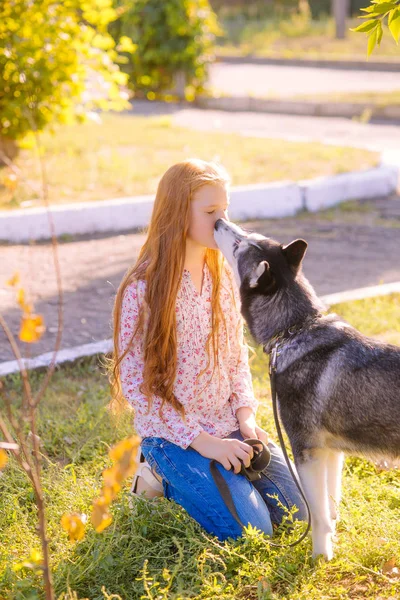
(338,390)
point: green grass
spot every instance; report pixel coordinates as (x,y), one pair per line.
(300,37)
(378,99)
(127,155)
(157,545)
(351,211)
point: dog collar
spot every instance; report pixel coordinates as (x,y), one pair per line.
(274,343)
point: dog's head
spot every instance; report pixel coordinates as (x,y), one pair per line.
(261,265)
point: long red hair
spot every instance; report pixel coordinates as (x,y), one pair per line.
(160,264)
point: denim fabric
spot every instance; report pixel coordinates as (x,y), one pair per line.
(188,481)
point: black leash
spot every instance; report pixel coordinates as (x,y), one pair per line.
(261,459)
(259,462)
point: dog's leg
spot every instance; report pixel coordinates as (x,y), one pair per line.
(335,466)
(312,470)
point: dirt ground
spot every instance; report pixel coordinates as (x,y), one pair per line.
(352,246)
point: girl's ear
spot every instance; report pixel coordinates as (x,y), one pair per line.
(262,267)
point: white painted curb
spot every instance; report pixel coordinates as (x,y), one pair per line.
(265,201)
(105,346)
(259,201)
(65,355)
(324,192)
(360,293)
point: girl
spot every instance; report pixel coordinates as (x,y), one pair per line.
(193,405)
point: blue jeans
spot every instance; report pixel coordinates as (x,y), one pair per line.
(188,481)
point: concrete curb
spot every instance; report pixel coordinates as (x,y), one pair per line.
(348,65)
(325,192)
(298,107)
(258,201)
(105,346)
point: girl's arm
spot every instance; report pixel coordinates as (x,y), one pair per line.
(174,429)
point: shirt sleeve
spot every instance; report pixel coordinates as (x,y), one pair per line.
(239,368)
(173,429)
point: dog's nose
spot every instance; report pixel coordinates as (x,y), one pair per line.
(218,224)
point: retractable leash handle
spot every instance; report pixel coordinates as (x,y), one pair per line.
(260,461)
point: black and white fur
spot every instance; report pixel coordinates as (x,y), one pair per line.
(338,390)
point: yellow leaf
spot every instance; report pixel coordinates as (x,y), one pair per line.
(372,42)
(73,525)
(21,297)
(10,181)
(3,458)
(32,328)
(112,475)
(109,492)
(101,518)
(14,280)
(124,453)
(128,444)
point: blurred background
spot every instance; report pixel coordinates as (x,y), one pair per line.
(99,98)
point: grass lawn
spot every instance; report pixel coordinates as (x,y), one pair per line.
(156,550)
(352,211)
(376,98)
(299,37)
(126,155)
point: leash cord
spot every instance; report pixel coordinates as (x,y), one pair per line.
(285,454)
(224,488)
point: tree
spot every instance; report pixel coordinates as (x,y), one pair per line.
(340,11)
(174,44)
(57,63)
(376,13)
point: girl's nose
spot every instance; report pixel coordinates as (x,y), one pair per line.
(221,214)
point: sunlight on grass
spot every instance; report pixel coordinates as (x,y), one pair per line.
(157,544)
(300,37)
(127,155)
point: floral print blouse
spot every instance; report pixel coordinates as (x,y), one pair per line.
(210,405)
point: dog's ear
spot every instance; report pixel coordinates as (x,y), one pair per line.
(294,252)
(261,269)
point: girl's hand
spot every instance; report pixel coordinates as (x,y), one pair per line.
(249,428)
(231,453)
(254,432)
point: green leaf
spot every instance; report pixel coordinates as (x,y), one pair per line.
(394,25)
(380,9)
(379,33)
(367,26)
(372,41)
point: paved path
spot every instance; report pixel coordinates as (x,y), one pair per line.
(354,250)
(328,130)
(288,81)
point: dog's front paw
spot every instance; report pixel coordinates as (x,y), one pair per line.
(322,546)
(318,559)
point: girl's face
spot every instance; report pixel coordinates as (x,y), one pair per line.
(209,203)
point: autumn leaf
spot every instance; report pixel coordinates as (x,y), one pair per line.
(390,569)
(10,181)
(101,517)
(124,453)
(21,298)
(3,458)
(113,478)
(128,444)
(74,525)
(32,328)
(14,280)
